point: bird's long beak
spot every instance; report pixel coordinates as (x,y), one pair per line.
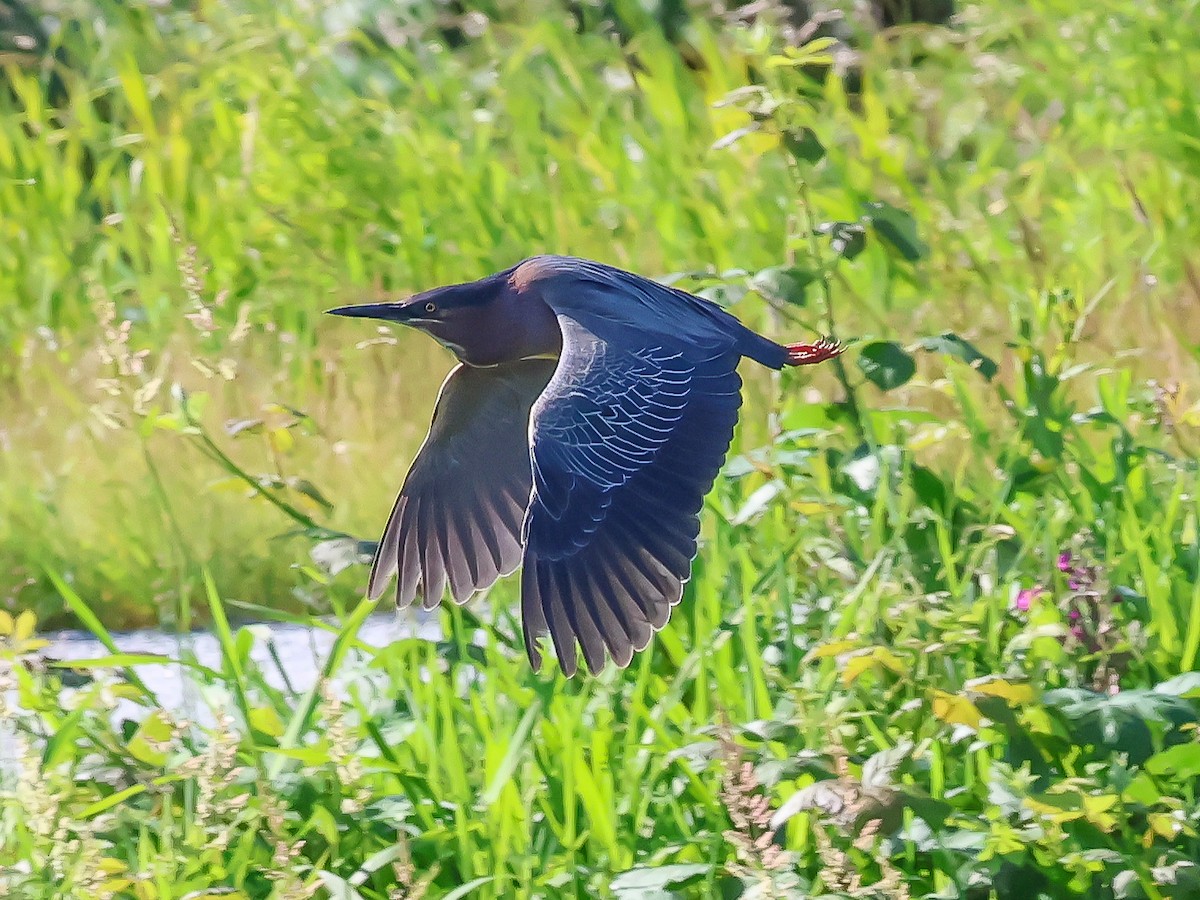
(387,312)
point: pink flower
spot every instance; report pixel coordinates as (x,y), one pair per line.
(1025,597)
(1064,562)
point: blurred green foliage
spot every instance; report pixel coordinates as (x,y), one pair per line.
(943,632)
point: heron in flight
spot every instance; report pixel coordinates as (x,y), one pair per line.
(587,418)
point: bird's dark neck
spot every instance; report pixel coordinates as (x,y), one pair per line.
(511,327)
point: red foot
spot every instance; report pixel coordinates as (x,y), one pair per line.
(809,354)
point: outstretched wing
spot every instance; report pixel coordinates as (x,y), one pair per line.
(458,517)
(626,440)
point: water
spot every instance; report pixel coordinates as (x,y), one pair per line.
(299,654)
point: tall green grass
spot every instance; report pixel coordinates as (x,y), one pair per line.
(943,626)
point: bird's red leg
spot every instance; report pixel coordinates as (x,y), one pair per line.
(808,354)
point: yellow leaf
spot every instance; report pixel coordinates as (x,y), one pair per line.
(23,629)
(955,709)
(6,624)
(1037,720)
(888,659)
(230,484)
(836,648)
(266,720)
(1165,825)
(281,440)
(1052,811)
(873,658)
(855,666)
(1012,691)
(1096,810)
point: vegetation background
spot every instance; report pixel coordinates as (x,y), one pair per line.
(942,639)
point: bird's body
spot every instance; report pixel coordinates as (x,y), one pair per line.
(588,418)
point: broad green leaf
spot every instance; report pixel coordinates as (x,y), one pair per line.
(1185,685)
(886,364)
(897,228)
(784,284)
(804,145)
(266,720)
(1181,761)
(953,345)
(62,739)
(846,239)
(154,731)
(648,881)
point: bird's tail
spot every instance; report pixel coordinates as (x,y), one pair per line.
(810,354)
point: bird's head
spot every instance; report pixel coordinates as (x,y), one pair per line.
(449,314)
(481,322)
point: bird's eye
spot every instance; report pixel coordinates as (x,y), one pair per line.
(430,307)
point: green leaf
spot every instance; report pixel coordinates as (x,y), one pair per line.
(335,554)
(886,365)
(306,488)
(1185,685)
(121,660)
(232,659)
(338,887)
(784,284)
(93,624)
(464,890)
(758,502)
(60,741)
(846,239)
(879,769)
(516,746)
(1181,761)
(896,228)
(265,720)
(815,52)
(303,714)
(153,731)
(1120,722)
(804,145)
(650,881)
(952,345)
(110,801)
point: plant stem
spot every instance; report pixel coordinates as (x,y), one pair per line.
(209,446)
(814,247)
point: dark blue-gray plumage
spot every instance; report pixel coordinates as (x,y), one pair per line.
(588,418)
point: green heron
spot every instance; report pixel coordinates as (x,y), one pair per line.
(588,417)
